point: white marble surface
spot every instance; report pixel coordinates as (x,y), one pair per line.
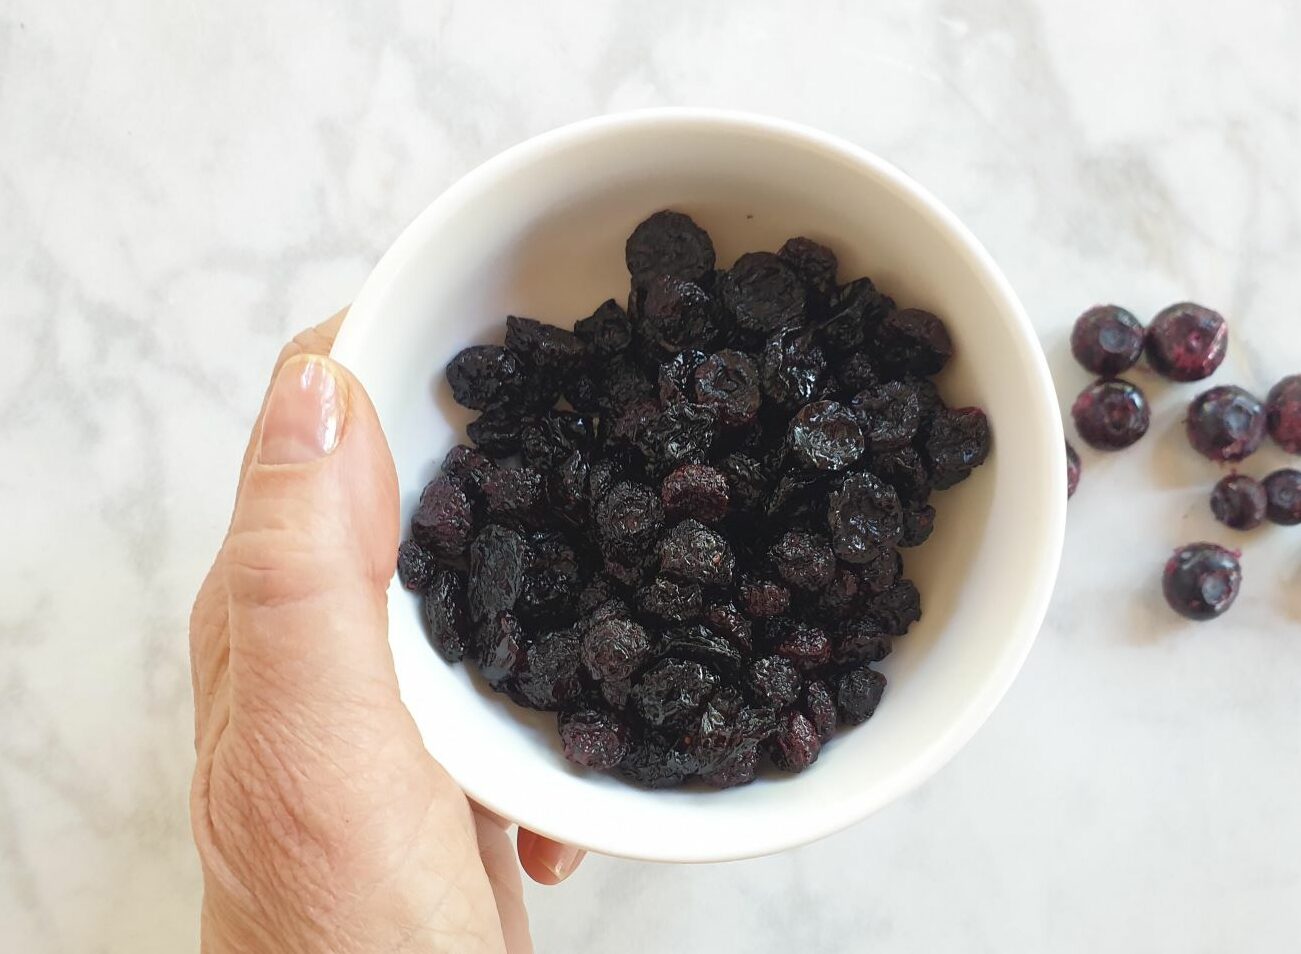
(182,185)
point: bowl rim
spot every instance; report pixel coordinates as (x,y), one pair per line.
(363,317)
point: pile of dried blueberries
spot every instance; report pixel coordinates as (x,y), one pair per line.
(694,559)
(1226,424)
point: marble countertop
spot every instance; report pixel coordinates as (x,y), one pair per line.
(184,185)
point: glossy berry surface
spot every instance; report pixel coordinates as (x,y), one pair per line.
(1186,342)
(1238,501)
(1283,497)
(1107,340)
(1202,580)
(1283,413)
(1111,415)
(824,435)
(593,739)
(679,525)
(1225,423)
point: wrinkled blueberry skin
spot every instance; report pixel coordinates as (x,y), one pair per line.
(679,527)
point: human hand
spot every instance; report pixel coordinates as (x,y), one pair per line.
(322,822)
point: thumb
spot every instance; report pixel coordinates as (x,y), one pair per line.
(311,550)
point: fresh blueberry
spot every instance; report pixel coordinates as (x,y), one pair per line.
(1111,415)
(1225,423)
(1202,580)
(1107,340)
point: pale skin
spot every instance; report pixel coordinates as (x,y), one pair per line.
(322,823)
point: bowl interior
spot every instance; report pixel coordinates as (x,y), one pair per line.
(540,231)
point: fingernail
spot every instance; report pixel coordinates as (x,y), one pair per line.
(304,414)
(560,860)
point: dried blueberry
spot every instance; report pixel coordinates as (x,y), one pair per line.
(548,351)
(547,440)
(792,368)
(680,434)
(918,522)
(858,692)
(796,745)
(621,383)
(593,739)
(416,566)
(514,496)
(628,520)
(864,514)
(498,646)
(567,487)
(697,491)
(889,414)
(773,681)
(854,314)
(670,600)
(764,293)
(676,375)
(700,644)
(1107,340)
(913,341)
(842,596)
(443,520)
(496,432)
(653,764)
(693,553)
(820,708)
(905,471)
(1225,423)
(672,692)
(470,468)
(897,608)
(803,559)
(497,558)
(546,597)
(747,481)
(725,620)
(1202,580)
(956,442)
(444,611)
(728,382)
(880,567)
(674,315)
(805,645)
(814,263)
(824,435)
(550,676)
(859,643)
(760,598)
(607,331)
(739,768)
(856,372)
(483,376)
(669,243)
(614,647)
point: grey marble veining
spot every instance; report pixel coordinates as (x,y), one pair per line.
(183,185)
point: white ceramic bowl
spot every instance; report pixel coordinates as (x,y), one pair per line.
(539,230)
